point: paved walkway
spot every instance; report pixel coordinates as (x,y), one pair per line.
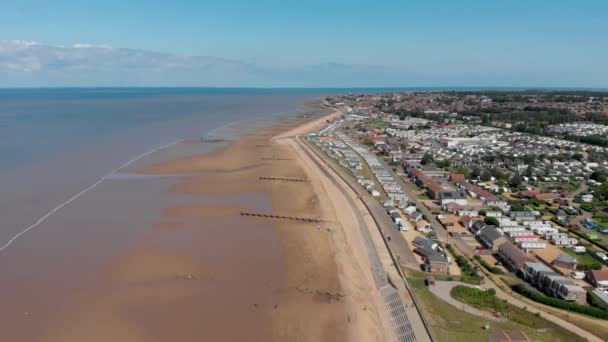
(442,289)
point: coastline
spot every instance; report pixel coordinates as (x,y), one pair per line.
(166,255)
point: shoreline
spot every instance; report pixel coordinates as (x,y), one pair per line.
(191,267)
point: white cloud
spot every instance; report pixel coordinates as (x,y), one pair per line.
(32,64)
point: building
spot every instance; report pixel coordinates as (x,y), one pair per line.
(599,279)
(532,271)
(565,261)
(424,243)
(567,290)
(458,197)
(532,244)
(433,260)
(552,283)
(423,226)
(456,177)
(512,257)
(490,237)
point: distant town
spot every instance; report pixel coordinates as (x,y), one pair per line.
(507,186)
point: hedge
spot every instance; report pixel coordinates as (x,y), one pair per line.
(492,269)
(594,300)
(525,291)
(469,275)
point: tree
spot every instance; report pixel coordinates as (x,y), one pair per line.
(486,175)
(515,180)
(529,171)
(476,172)
(492,221)
(598,176)
(426,159)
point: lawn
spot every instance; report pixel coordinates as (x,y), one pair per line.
(530,323)
(448,323)
(585,261)
(423,197)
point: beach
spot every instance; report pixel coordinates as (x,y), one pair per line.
(188,265)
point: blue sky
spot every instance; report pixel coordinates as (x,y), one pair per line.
(305,43)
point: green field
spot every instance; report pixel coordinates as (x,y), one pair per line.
(448,323)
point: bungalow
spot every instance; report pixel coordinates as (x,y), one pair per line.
(456,177)
(415,217)
(532,271)
(453,207)
(490,237)
(421,242)
(433,260)
(423,226)
(567,290)
(409,210)
(513,257)
(477,192)
(432,188)
(563,240)
(532,244)
(599,279)
(468,212)
(448,197)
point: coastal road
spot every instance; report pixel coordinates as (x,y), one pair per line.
(440,230)
(399,300)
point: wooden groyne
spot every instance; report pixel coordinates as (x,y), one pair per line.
(286,179)
(276,158)
(281,217)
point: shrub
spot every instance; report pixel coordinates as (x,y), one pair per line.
(492,269)
(492,292)
(525,291)
(469,275)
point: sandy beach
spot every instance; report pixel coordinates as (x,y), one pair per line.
(195,269)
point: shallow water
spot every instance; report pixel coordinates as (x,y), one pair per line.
(75,257)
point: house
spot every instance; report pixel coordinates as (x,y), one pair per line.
(468,212)
(447,197)
(423,226)
(513,257)
(571,292)
(490,237)
(409,210)
(456,177)
(563,240)
(602,296)
(433,260)
(477,192)
(421,242)
(599,279)
(565,261)
(553,283)
(512,336)
(415,217)
(453,207)
(532,271)
(532,244)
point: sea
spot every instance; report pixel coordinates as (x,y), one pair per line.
(56,142)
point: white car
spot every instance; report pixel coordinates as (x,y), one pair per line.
(578,275)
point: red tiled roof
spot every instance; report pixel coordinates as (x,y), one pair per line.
(457,177)
(477,190)
(600,275)
(545,196)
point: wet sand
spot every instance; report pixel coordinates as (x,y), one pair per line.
(187,266)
